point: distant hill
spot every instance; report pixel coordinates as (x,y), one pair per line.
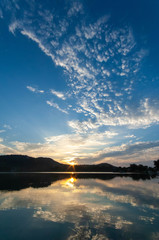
(23,163)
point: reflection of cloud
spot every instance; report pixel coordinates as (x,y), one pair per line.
(92,206)
(135,193)
(155,236)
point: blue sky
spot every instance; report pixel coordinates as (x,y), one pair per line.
(79,80)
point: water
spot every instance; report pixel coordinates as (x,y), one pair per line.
(78,207)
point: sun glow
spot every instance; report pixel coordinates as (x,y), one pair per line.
(72,163)
(70,182)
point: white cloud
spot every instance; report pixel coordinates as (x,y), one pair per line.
(82,127)
(1,131)
(130,136)
(7,126)
(13,26)
(32,36)
(33,89)
(1,13)
(82,63)
(76,8)
(58,94)
(101,65)
(142,117)
(55,105)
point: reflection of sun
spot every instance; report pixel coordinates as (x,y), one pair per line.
(72,179)
(70,182)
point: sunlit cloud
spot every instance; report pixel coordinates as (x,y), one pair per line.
(111,153)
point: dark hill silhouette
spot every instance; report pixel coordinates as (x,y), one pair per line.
(22,163)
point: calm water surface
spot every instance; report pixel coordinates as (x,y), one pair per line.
(61,206)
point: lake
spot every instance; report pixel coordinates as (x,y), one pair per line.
(47,206)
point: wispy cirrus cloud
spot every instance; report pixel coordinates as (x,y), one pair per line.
(1,131)
(7,126)
(76,8)
(143,116)
(58,94)
(85,55)
(35,90)
(1,13)
(55,105)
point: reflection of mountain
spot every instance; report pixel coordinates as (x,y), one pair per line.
(18,181)
(21,163)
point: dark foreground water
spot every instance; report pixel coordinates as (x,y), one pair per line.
(78,207)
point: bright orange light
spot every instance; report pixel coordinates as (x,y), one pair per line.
(72,163)
(70,182)
(72,179)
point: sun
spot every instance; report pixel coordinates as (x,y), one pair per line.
(72,163)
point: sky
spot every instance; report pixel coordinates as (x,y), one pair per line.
(79,80)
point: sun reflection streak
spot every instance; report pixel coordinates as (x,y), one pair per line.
(70,182)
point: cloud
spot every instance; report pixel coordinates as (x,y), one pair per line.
(102,65)
(55,105)
(58,94)
(1,131)
(76,8)
(7,150)
(1,13)
(143,116)
(82,127)
(85,55)
(13,26)
(32,36)
(7,126)
(89,148)
(66,147)
(81,210)
(123,150)
(32,89)
(130,136)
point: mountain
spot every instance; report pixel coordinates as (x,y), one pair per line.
(23,163)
